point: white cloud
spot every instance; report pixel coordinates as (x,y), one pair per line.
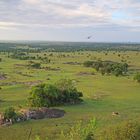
(74,13)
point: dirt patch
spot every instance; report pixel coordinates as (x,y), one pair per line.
(99,96)
(43,113)
(22,74)
(32,83)
(28,83)
(72,63)
(3,76)
(85,73)
(52,69)
(20,65)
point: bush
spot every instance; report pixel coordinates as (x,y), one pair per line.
(10,113)
(46,95)
(108,67)
(34,65)
(80,131)
(88,63)
(137,77)
(129,130)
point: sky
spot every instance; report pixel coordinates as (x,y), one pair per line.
(70,20)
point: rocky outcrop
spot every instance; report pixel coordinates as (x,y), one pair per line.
(42,113)
(26,114)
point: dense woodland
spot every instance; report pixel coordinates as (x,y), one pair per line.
(37,46)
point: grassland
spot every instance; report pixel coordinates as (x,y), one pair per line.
(102,94)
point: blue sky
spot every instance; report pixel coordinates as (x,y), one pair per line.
(70,20)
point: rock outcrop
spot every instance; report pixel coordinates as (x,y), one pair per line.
(26,114)
(42,113)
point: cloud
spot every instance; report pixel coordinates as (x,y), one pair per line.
(101,15)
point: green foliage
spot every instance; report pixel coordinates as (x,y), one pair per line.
(108,67)
(38,138)
(47,95)
(22,56)
(45,59)
(35,65)
(67,46)
(10,113)
(110,92)
(80,131)
(137,77)
(129,130)
(88,63)
(90,136)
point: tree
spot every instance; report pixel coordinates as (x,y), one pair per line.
(137,77)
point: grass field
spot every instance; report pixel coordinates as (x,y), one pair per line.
(115,94)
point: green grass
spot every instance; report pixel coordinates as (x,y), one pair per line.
(120,94)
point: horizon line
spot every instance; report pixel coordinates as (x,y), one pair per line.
(68,41)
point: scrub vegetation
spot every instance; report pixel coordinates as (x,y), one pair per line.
(86,80)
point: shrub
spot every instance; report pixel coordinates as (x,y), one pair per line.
(137,77)
(80,131)
(129,130)
(10,113)
(34,65)
(88,63)
(62,92)
(108,67)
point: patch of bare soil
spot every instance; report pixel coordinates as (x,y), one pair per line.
(22,74)
(32,83)
(3,76)
(20,65)
(72,63)
(85,73)
(28,83)
(42,113)
(100,96)
(52,69)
